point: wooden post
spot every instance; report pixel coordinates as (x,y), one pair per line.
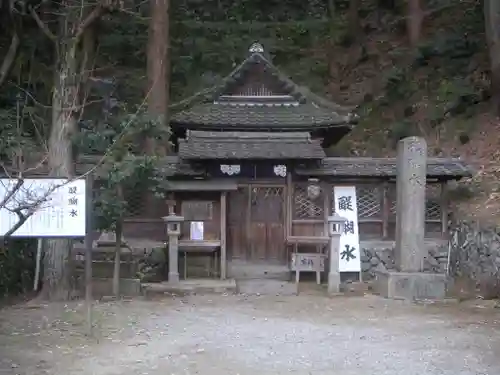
(289,206)
(327,198)
(88,252)
(386,210)
(223,230)
(444,209)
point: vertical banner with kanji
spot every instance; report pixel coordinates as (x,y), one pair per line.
(346,206)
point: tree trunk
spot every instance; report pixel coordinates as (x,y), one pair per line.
(56,285)
(414,22)
(89,42)
(492,25)
(9,58)
(354,23)
(158,69)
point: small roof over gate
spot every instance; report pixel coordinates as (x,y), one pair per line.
(249,145)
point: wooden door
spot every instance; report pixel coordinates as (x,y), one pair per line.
(237,207)
(267,218)
(256,224)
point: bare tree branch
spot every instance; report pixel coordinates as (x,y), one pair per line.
(11,193)
(93,16)
(42,25)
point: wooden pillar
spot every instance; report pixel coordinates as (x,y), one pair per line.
(289,205)
(223,230)
(444,209)
(386,210)
(327,198)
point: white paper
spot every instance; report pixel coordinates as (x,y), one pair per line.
(346,206)
(62,212)
(196,231)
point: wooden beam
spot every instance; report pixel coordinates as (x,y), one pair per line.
(202,185)
(223,230)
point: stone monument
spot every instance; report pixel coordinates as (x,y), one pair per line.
(410,204)
(410,282)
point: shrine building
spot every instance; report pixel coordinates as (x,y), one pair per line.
(253,183)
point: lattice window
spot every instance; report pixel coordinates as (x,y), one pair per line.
(369,201)
(267,204)
(306,207)
(432,202)
(392,200)
(135,202)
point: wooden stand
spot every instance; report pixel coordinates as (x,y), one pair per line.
(308,262)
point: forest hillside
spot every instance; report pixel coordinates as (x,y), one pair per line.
(409,67)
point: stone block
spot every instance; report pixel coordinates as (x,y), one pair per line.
(190,286)
(266,287)
(410,285)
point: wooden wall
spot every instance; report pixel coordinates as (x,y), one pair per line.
(376,210)
(304,216)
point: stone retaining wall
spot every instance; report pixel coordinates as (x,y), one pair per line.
(475,260)
(378,256)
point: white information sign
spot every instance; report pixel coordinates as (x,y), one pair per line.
(346,206)
(61,212)
(196,232)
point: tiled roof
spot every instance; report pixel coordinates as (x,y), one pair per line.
(249,145)
(173,166)
(294,109)
(246,117)
(384,167)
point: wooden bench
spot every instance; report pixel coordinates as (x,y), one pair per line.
(205,247)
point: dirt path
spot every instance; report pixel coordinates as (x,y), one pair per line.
(241,335)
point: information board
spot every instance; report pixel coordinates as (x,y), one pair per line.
(61,212)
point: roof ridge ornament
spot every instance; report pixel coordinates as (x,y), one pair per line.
(256,48)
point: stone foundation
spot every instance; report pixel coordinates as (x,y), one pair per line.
(378,257)
(410,286)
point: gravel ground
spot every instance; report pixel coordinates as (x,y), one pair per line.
(241,335)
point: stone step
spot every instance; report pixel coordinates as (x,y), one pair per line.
(105,269)
(190,286)
(103,287)
(266,286)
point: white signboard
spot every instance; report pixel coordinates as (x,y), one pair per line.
(196,231)
(61,211)
(346,206)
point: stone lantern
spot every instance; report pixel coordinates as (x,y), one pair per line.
(335,229)
(173,231)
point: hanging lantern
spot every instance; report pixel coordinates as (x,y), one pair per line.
(313,188)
